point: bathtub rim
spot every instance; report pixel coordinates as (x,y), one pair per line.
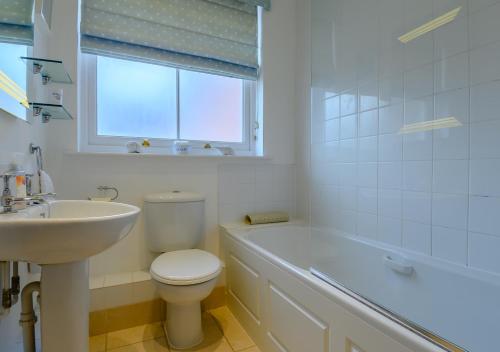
(390,324)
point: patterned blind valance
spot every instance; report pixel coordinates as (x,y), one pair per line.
(16,21)
(214,36)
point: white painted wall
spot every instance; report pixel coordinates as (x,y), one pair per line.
(77,176)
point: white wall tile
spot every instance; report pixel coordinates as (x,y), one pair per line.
(348,102)
(368,200)
(367,175)
(247,188)
(332,107)
(348,150)
(348,126)
(368,96)
(417,207)
(477,5)
(484,215)
(428,189)
(484,252)
(348,198)
(484,102)
(417,237)
(389,230)
(449,244)
(419,82)
(389,203)
(332,130)
(391,119)
(417,176)
(368,149)
(391,90)
(484,140)
(390,175)
(485,64)
(417,146)
(452,38)
(451,176)
(484,177)
(419,109)
(484,26)
(367,225)
(348,174)
(451,143)
(390,147)
(347,221)
(452,73)
(419,51)
(453,103)
(449,210)
(368,123)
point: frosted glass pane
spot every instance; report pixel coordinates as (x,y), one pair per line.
(13,67)
(135,99)
(211,107)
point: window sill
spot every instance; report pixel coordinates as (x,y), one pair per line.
(231,158)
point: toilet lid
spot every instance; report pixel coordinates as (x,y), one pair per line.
(185,267)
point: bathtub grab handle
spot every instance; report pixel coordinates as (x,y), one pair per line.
(398,267)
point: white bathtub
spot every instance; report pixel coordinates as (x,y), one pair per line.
(286,308)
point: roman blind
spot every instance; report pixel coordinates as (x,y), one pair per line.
(213,36)
(16,21)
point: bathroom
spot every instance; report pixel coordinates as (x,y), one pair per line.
(340,194)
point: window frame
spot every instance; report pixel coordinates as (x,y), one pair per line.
(92,142)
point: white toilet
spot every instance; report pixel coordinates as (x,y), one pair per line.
(183,275)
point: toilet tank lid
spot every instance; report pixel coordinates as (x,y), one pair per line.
(174,197)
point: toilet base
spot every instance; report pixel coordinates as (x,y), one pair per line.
(183,326)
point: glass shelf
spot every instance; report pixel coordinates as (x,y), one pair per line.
(51,70)
(50,111)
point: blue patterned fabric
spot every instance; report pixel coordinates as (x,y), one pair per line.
(16,21)
(215,36)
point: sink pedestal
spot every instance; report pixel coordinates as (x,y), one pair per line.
(65,307)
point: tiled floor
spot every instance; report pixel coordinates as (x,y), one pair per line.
(223,333)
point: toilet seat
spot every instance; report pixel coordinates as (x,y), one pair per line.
(185,267)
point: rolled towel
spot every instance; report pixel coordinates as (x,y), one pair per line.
(267,218)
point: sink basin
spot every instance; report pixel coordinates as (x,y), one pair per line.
(61,236)
(64,231)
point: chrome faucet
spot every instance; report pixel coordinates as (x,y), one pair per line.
(7,201)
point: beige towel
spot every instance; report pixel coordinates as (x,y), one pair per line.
(267,218)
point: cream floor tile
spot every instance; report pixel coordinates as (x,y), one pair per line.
(156,345)
(97,343)
(252,349)
(233,331)
(214,340)
(134,335)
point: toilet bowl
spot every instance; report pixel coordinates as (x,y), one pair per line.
(183,279)
(183,275)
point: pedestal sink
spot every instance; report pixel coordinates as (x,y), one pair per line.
(61,236)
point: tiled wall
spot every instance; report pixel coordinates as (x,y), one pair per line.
(435,191)
(247,188)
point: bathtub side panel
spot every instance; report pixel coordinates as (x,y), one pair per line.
(289,315)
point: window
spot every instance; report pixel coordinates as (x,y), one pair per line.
(130,100)
(14,68)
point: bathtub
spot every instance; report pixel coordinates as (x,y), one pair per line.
(285,307)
